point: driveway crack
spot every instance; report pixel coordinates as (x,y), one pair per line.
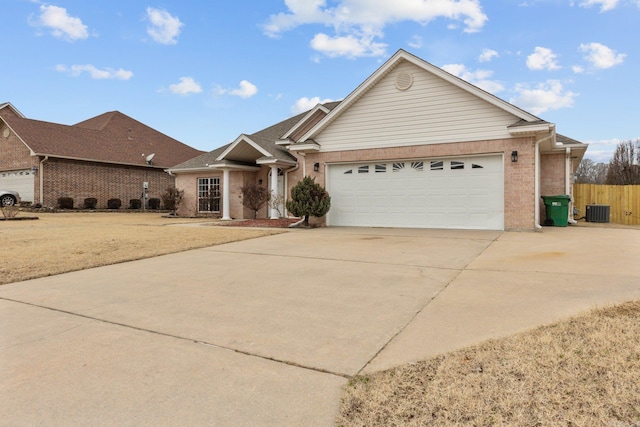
(417,313)
(178,337)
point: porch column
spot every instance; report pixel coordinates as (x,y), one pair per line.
(274,190)
(225,194)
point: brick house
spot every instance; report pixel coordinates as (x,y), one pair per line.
(108,156)
(412,146)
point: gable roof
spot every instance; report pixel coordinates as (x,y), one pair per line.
(262,144)
(297,133)
(401,56)
(108,138)
(8,108)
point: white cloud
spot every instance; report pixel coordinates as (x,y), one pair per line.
(415,42)
(305,104)
(357,23)
(544,97)
(478,78)
(487,55)
(61,24)
(600,56)
(246,90)
(578,69)
(186,86)
(349,46)
(164,28)
(601,151)
(542,58)
(605,5)
(95,73)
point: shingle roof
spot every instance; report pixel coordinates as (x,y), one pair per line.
(203,160)
(562,139)
(111,138)
(265,138)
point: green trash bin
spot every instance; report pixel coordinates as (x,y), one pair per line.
(557,210)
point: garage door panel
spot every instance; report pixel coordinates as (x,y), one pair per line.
(21,181)
(435,193)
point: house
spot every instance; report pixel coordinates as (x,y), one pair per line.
(412,146)
(108,156)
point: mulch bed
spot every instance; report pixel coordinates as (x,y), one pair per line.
(270,223)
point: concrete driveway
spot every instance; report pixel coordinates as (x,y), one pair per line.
(267,331)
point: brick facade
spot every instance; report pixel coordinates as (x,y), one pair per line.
(552,178)
(80,180)
(14,154)
(189,184)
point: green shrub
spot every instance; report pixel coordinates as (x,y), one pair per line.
(308,198)
(90,203)
(114,203)
(154,203)
(135,204)
(65,202)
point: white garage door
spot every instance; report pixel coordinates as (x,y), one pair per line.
(431,193)
(21,181)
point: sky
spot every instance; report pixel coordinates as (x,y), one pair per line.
(206,71)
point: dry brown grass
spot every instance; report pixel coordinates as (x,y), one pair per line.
(581,372)
(61,242)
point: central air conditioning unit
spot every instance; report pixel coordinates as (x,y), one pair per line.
(597,213)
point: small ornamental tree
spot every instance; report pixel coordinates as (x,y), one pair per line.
(254,197)
(171,198)
(308,198)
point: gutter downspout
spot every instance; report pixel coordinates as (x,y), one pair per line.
(286,186)
(41,177)
(567,184)
(304,173)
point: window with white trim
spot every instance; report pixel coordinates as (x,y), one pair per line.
(209,194)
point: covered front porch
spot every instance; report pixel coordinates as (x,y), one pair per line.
(241,163)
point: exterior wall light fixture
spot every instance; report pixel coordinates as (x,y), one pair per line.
(514,156)
(316,167)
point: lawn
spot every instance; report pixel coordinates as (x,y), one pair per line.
(62,242)
(584,371)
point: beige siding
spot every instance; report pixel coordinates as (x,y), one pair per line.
(431,111)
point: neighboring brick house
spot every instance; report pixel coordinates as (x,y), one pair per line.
(104,157)
(412,146)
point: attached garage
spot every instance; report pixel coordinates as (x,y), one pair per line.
(21,181)
(460,192)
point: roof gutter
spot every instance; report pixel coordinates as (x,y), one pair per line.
(98,161)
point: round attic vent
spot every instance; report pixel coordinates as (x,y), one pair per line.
(404,81)
(6,132)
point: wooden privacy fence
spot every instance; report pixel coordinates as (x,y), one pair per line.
(624,201)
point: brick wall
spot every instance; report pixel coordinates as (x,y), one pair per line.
(80,180)
(189,184)
(552,174)
(13,153)
(552,178)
